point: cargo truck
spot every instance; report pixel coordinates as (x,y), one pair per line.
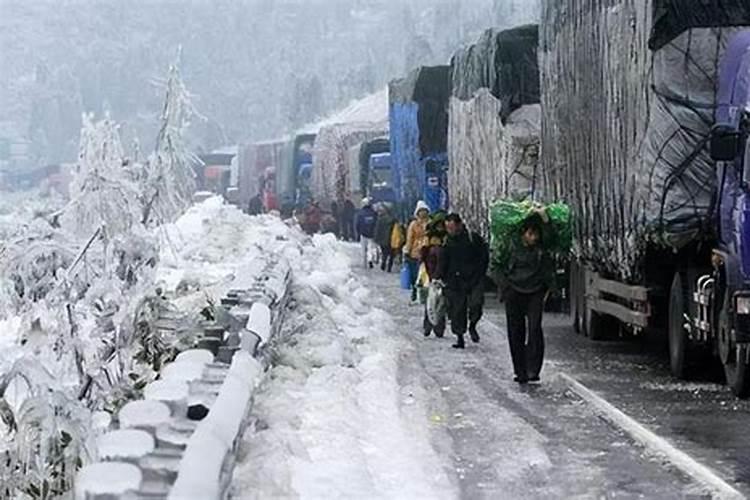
(645,127)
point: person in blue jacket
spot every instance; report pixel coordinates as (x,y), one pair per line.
(367,218)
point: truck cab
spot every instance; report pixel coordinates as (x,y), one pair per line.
(722,297)
(381,187)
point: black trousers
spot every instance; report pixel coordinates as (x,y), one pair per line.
(525,335)
(386,258)
(347,230)
(464,305)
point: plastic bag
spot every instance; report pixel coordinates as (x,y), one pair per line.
(436,304)
(405,276)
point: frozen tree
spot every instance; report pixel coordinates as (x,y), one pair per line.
(102,196)
(169,182)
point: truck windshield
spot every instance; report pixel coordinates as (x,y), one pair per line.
(381,177)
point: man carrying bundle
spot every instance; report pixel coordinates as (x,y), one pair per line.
(462,268)
(526,282)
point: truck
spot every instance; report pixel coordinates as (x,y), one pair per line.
(644,134)
(330,171)
(259,164)
(418,115)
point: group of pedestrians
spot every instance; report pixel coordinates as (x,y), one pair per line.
(456,261)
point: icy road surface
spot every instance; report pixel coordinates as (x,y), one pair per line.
(361,405)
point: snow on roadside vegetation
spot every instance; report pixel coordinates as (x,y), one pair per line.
(330,421)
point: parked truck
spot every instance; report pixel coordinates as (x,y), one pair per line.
(644,134)
(418,112)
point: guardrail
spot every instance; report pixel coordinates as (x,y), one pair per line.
(179,442)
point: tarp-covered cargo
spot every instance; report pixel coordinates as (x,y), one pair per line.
(494,127)
(625,129)
(489,159)
(255,160)
(419,134)
(505,62)
(330,174)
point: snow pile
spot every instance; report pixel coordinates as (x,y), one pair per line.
(330,424)
(215,248)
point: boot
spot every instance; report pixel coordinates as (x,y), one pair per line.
(460,344)
(474,334)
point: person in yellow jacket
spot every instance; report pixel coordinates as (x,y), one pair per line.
(416,239)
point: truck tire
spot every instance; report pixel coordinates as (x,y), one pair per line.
(733,357)
(595,324)
(575,296)
(679,343)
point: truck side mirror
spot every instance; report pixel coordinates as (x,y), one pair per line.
(725,143)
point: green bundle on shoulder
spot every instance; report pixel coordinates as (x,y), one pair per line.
(507,218)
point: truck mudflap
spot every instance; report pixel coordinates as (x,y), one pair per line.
(741,304)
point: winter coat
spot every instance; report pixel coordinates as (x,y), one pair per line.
(416,233)
(383,229)
(256,206)
(464,261)
(348,211)
(416,237)
(530,270)
(313,217)
(366,221)
(431,256)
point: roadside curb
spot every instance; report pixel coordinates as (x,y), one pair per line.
(717,486)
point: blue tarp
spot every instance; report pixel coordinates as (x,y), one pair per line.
(419,135)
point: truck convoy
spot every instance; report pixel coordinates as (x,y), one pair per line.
(644,133)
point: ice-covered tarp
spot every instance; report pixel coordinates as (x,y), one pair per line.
(490,160)
(505,62)
(625,129)
(330,174)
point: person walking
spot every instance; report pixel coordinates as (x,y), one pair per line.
(336,215)
(525,286)
(365,229)
(462,268)
(347,221)
(431,253)
(255,207)
(313,218)
(383,231)
(416,235)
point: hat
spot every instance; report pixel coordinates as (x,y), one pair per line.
(421,205)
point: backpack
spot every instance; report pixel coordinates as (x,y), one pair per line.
(398,237)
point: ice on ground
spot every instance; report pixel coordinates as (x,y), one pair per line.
(143,413)
(330,416)
(125,443)
(107,478)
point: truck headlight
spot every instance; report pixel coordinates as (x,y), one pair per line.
(742,305)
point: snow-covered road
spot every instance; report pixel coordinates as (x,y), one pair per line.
(361,405)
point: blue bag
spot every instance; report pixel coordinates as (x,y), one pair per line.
(405,276)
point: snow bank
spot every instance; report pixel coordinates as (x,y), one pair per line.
(329,418)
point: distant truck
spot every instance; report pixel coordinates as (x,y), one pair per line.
(645,131)
(381,175)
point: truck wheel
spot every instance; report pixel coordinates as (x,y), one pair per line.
(678,336)
(733,357)
(595,324)
(575,296)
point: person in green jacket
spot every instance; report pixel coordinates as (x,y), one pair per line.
(526,283)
